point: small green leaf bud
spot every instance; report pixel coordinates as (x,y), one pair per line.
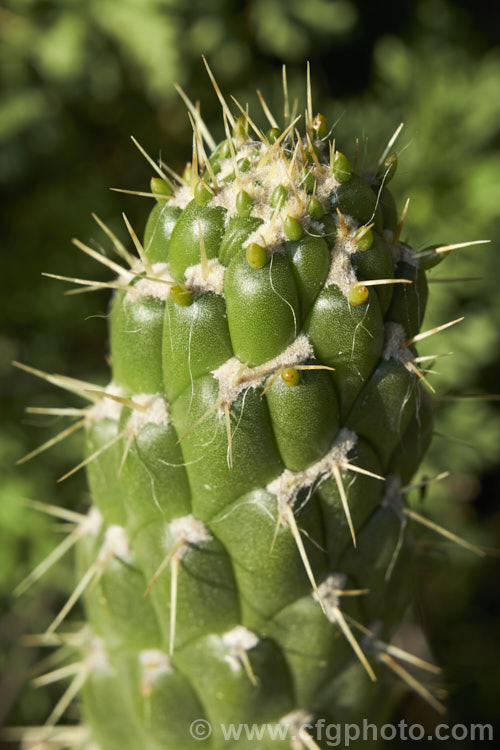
(256,256)
(273,134)
(387,169)
(341,167)
(279,196)
(240,129)
(161,189)
(307,180)
(243,165)
(293,228)
(290,376)
(320,127)
(224,149)
(201,193)
(430,258)
(186,175)
(358,295)
(244,203)
(363,239)
(181,295)
(314,208)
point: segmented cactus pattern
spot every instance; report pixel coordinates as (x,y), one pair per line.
(244,561)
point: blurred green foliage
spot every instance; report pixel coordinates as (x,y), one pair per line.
(80,76)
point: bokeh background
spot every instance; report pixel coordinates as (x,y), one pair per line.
(78,78)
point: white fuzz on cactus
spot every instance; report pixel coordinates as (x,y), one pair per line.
(248,555)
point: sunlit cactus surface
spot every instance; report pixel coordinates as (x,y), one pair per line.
(246,558)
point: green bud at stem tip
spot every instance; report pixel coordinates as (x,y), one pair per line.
(243,165)
(314,208)
(256,256)
(244,203)
(431,259)
(293,228)
(358,295)
(290,376)
(181,295)
(240,129)
(160,188)
(186,174)
(273,134)
(387,169)
(320,126)
(341,167)
(279,196)
(307,180)
(363,239)
(202,194)
(225,150)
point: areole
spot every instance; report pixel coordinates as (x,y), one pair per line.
(245,559)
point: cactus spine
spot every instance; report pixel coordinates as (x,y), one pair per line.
(244,559)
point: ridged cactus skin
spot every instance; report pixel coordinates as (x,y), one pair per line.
(242,562)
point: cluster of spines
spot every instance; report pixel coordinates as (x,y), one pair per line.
(151,274)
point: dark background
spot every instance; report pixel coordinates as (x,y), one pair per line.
(78,78)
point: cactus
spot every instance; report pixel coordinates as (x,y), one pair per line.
(245,559)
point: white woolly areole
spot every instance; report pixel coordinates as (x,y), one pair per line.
(275,172)
(214,281)
(268,170)
(400,251)
(181,197)
(392,497)
(92,523)
(237,640)
(259,181)
(288,485)
(325,188)
(96,656)
(316,228)
(298,722)
(246,151)
(407,255)
(240,638)
(151,288)
(329,593)
(271,234)
(187,530)
(115,544)
(296,719)
(341,271)
(395,337)
(154,664)
(235,377)
(107,408)
(156,412)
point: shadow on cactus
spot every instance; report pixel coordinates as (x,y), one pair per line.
(250,551)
